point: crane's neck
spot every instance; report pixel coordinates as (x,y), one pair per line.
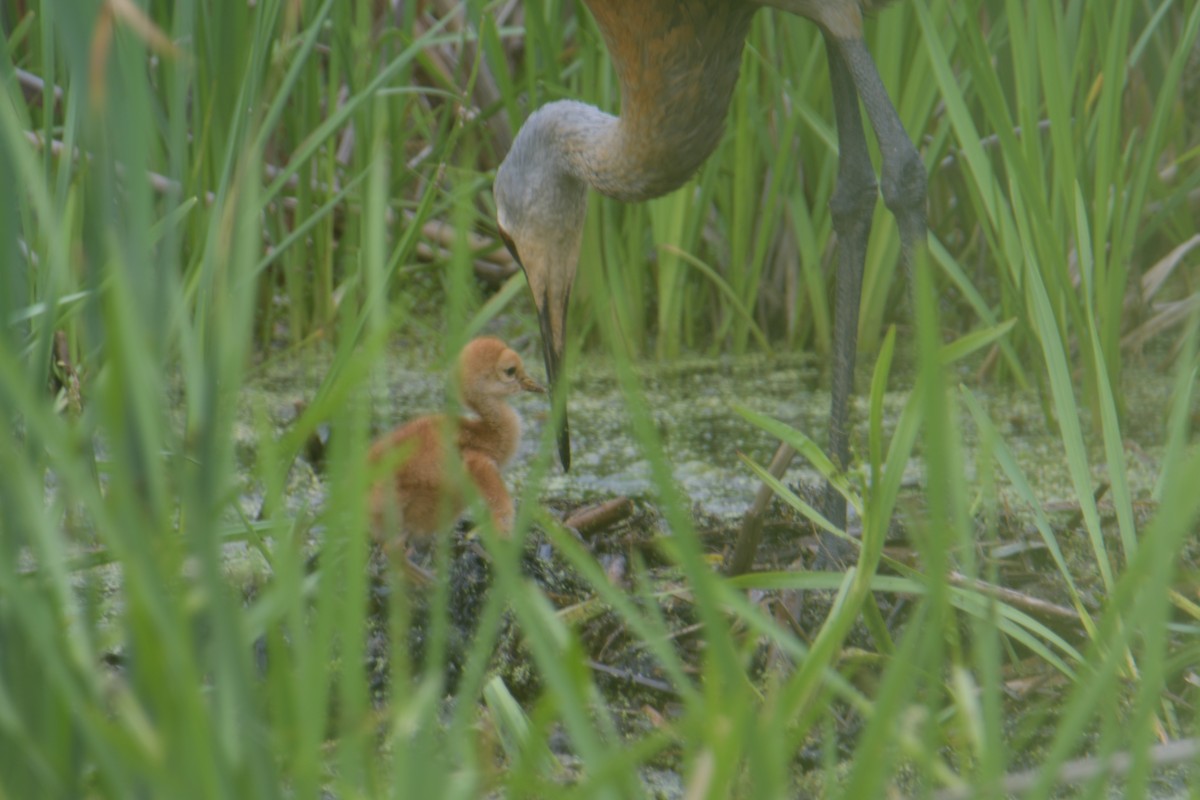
(671,120)
(609,153)
(678,63)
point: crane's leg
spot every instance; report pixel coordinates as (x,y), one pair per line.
(852,75)
(903,180)
(851,206)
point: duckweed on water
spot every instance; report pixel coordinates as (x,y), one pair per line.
(692,402)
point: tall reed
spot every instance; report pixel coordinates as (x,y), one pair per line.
(196,188)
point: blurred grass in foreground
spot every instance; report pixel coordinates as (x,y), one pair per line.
(197,186)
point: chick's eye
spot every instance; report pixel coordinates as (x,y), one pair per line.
(511,372)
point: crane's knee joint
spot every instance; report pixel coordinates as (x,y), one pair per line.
(904,185)
(853,202)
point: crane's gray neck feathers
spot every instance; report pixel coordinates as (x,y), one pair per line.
(601,151)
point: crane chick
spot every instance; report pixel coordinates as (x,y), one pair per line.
(420,496)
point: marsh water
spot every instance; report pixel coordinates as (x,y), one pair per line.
(693,403)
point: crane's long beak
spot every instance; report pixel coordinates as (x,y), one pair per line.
(551,289)
(553,324)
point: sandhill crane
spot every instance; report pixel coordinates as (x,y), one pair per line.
(677,61)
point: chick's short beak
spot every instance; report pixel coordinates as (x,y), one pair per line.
(530,385)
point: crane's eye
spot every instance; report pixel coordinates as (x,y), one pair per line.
(510,372)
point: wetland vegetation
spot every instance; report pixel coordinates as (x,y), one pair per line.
(240,240)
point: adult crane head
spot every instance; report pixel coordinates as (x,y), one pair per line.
(540,208)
